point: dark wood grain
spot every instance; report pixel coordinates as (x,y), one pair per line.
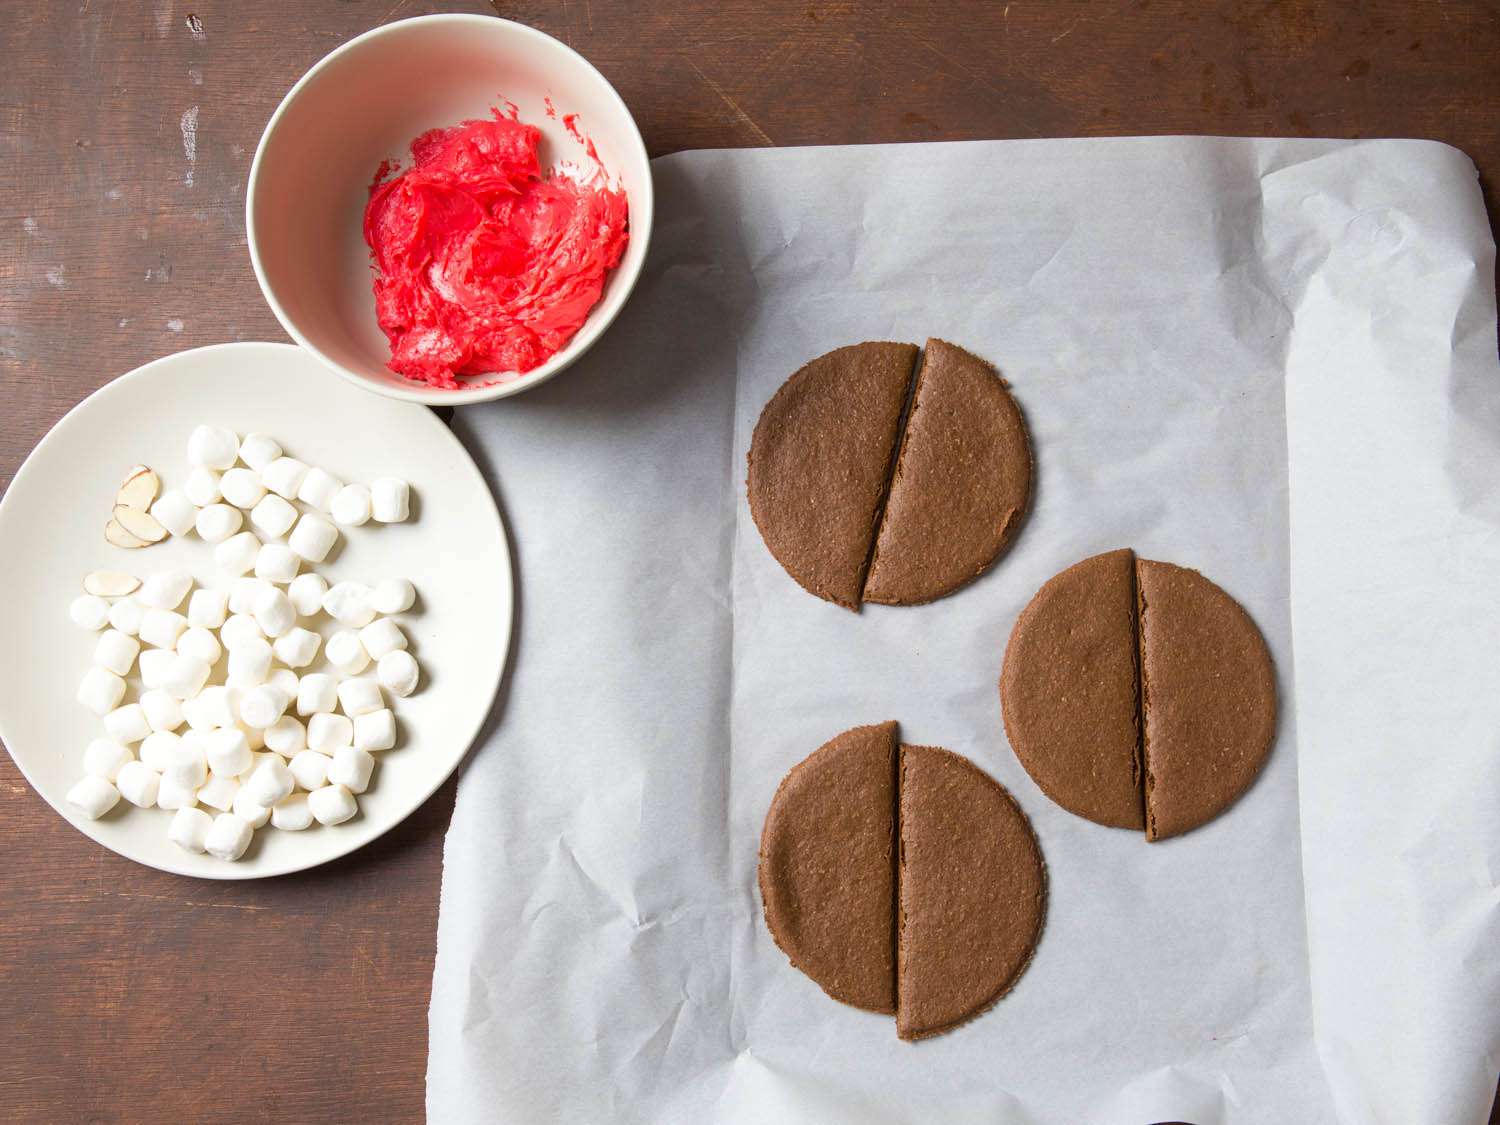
(130,995)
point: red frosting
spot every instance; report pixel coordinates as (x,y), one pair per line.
(483,265)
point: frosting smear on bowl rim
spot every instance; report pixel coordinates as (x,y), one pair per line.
(484,265)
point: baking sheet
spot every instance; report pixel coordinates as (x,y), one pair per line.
(1273,361)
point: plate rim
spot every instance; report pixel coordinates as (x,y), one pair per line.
(233,872)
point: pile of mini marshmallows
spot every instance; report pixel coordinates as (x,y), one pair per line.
(245,755)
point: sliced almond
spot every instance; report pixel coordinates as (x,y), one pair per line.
(139,489)
(117,535)
(139,523)
(110,583)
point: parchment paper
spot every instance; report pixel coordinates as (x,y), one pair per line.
(1274,361)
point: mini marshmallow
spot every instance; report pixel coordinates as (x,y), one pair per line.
(93,796)
(327,732)
(317,693)
(285,681)
(270,782)
(207,608)
(393,595)
(244,590)
(175,512)
(345,652)
(139,784)
(127,724)
(160,628)
(162,709)
(188,768)
(183,677)
(172,794)
(159,749)
(291,814)
(258,451)
(360,697)
(351,505)
(247,810)
(209,709)
(89,612)
(237,553)
(106,758)
(164,591)
(274,612)
(189,829)
(310,769)
(201,644)
(218,522)
(154,665)
(286,736)
(214,447)
(202,486)
(284,476)
(242,488)
(318,488)
(126,615)
(250,663)
(376,730)
(186,676)
(382,637)
(306,592)
(116,651)
(277,563)
(228,836)
(253,736)
(313,538)
(100,690)
(348,603)
(227,752)
(261,757)
(261,707)
(398,672)
(297,647)
(390,500)
(274,516)
(332,804)
(241,629)
(351,767)
(218,792)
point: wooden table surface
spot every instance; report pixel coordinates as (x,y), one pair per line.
(126,134)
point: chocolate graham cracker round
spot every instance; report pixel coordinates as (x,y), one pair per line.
(935,938)
(827,866)
(961,484)
(819,461)
(973,892)
(1138,694)
(874,480)
(1068,691)
(1208,695)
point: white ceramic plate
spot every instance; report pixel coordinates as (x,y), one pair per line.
(454,549)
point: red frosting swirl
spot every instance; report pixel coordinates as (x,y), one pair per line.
(483,265)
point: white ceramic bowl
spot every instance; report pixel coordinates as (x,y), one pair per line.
(365,103)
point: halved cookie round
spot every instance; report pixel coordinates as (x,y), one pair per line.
(903,880)
(1138,694)
(863,500)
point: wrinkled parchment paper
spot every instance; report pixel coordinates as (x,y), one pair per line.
(1274,361)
